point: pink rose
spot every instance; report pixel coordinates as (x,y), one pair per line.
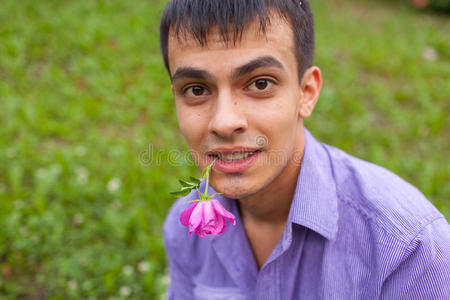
(206,217)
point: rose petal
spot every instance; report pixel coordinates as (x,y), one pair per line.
(209,215)
(206,217)
(220,224)
(200,231)
(223,212)
(224,227)
(215,226)
(196,219)
(186,214)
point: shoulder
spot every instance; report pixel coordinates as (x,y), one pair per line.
(392,227)
(422,270)
(381,198)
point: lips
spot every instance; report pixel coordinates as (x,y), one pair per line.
(230,157)
(233,160)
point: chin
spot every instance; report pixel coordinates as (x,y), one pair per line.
(234,187)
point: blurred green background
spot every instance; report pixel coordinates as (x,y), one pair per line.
(90,148)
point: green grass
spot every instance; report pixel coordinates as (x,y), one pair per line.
(84,97)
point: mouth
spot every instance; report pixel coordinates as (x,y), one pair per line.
(233,156)
(235,161)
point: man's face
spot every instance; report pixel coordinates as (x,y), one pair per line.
(239,102)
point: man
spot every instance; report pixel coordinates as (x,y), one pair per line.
(312,221)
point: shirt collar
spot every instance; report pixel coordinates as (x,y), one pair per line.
(314,204)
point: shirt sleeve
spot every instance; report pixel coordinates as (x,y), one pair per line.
(424,270)
(180,286)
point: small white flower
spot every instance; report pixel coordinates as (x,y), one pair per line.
(80,150)
(87,285)
(11,152)
(113,185)
(77,219)
(19,204)
(82,175)
(128,270)
(143,266)
(429,53)
(41,173)
(165,279)
(55,169)
(73,285)
(125,291)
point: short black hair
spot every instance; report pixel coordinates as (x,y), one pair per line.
(195,18)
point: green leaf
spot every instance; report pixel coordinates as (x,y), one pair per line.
(195,180)
(205,172)
(181,193)
(185,184)
(189,186)
(196,200)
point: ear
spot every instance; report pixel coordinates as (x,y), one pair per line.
(172,89)
(310,90)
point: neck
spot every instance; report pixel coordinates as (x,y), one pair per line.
(272,203)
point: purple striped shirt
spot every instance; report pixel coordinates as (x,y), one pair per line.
(354,231)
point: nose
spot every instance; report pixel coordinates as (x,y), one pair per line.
(228,117)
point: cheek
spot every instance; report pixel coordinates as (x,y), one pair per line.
(278,119)
(193,124)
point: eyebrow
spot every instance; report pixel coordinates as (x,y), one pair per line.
(260,62)
(190,72)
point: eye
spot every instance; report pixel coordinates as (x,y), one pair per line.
(261,85)
(195,91)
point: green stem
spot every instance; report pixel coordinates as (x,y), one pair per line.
(208,172)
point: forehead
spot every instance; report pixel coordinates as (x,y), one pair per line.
(276,41)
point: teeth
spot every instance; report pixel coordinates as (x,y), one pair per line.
(234,156)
